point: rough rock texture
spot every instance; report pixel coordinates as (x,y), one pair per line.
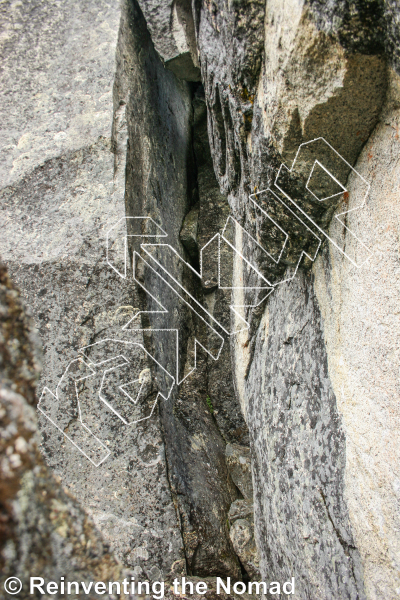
(241,512)
(55,212)
(242,535)
(64,55)
(172,30)
(325,72)
(239,464)
(19,344)
(301,515)
(362,340)
(213,212)
(161,183)
(212,97)
(43,529)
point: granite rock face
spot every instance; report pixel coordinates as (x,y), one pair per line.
(362,348)
(300,509)
(43,528)
(328,73)
(211,99)
(162,159)
(58,204)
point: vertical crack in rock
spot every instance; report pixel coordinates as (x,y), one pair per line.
(322,75)
(164,179)
(210,99)
(55,213)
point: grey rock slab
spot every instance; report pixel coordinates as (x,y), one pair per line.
(44,529)
(298,447)
(56,212)
(58,62)
(360,320)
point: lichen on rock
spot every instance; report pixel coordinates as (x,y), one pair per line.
(262,139)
